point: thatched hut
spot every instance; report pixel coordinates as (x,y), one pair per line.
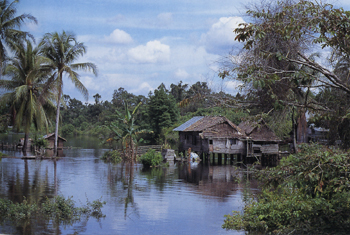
(51,140)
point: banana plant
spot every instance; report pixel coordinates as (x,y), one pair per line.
(125,131)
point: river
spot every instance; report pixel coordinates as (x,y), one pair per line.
(179,199)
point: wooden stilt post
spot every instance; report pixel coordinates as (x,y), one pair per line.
(219,158)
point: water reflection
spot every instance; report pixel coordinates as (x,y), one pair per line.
(25,179)
(180,199)
(216,181)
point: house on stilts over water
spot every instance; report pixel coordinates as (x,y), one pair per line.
(262,143)
(211,136)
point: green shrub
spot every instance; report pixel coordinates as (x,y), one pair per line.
(151,158)
(112,156)
(40,142)
(308,193)
(84,126)
(68,129)
(58,209)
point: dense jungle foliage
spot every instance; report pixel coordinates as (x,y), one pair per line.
(159,112)
(307,193)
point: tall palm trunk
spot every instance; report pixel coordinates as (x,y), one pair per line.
(26,137)
(25,145)
(57,118)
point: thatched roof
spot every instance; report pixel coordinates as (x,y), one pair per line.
(209,126)
(258,131)
(53,135)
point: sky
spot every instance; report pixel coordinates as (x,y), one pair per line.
(139,44)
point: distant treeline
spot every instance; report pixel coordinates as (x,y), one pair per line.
(159,112)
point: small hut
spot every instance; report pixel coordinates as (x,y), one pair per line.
(211,134)
(261,139)
(51,139)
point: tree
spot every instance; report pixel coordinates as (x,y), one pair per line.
(125,131)
(277,66)
(320,23)
(26,94)
(199,95)
(63,50)
(178,91)
(97,98)
(162,110)
(10,27)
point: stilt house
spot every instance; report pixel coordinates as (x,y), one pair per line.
(208,134)
(260,139)
(51,140)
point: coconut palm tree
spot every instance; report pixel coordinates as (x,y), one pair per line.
(25,88)
(63,50)
(10,27)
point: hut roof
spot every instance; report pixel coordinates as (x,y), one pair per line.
(259,131)
(189,123)
(204,124)
(53,134)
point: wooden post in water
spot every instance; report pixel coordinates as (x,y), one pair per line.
(231,159)
(219,158)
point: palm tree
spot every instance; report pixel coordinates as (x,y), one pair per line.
(63,50)
(10,27)
(26,89)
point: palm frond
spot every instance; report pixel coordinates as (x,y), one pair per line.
(90,67)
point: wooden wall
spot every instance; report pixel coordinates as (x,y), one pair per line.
(51,141)
(229,146)
(219,145)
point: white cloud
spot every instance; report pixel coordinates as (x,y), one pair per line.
(220,37)
(33,27)
(143,88)
(119,37)
(181,74)
(153,52)
(233,84)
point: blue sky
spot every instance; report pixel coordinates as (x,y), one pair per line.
(138,44)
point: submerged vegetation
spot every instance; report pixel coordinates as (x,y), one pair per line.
(112,156)
(58,210)
(151,158)
(309,192)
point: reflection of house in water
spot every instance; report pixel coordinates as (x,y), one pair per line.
(217,181)
(50,152)
(218,135)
